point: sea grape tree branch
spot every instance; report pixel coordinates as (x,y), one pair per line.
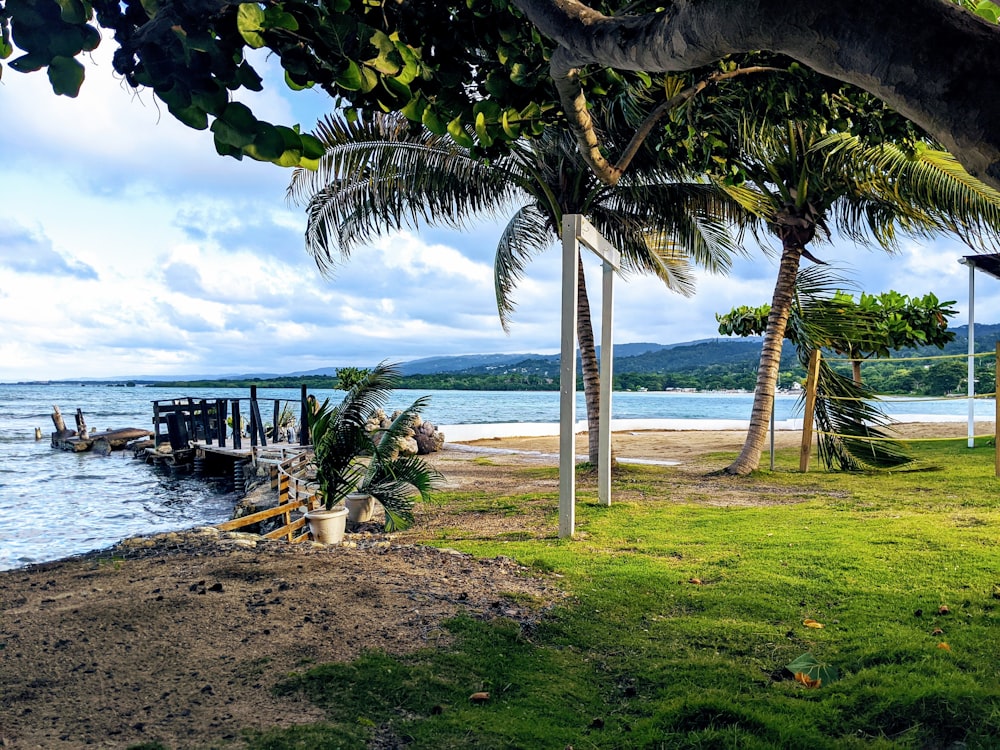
(927,59)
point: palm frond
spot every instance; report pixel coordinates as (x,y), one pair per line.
(527,233)
(925,188)
(381,174)
(851,426)
(848,420)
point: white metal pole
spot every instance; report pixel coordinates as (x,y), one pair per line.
(567,382)
(607,360)
(972,351)
(772,432)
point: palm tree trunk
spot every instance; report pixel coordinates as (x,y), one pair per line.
(770,361)
(856,371)
(591,371)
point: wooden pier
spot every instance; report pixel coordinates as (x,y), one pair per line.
(206,435)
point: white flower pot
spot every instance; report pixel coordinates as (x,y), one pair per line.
(327,526)
(360,507)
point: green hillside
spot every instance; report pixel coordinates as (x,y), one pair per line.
(713,364)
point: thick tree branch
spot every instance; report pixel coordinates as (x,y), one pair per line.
(575,106)
(927,59)
(677,100)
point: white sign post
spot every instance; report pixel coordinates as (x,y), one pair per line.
(987,263)
(576,231)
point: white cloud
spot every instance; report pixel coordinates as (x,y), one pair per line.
(129,247)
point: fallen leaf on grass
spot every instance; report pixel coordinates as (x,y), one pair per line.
(944,646)
(810,623)
(943,610)
(696,581)
(808,681)
(479,697)
(812,673)
(937,631)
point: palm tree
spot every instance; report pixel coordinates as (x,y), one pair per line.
(806,178)
(850,424)
(349,458)
(381,173)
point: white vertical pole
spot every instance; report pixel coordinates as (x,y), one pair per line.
(972,360)
(772,432)
(567,382)
(607,359)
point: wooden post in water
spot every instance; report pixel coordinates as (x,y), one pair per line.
(206,427)
(57,419)
(256,423)
(304,419)
(220,420)
(61,432)
(156,423)
(237,427)
(192,424)
(81,425)
(254,416)
(809,412)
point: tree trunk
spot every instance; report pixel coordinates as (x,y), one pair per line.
(856,371)
(591,370)
(770,361)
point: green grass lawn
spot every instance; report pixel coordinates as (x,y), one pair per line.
(688,600)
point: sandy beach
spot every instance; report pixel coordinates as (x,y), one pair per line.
(180,638)
(683,443)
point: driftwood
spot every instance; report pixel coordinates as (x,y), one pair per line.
(82,440)
(61,432)
(81,425)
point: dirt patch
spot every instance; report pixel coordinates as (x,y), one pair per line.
(180,638)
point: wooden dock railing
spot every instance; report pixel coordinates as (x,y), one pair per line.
(290,477)
(200,419)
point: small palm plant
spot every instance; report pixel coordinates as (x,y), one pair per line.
(350,459)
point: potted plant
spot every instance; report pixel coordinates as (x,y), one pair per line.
(350,460)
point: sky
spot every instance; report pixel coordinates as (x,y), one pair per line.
(128,248)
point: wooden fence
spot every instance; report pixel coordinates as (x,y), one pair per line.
(809,415)
(290,477)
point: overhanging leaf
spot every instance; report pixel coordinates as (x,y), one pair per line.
(458,134)
(72,11)
(66,75)
(250,22)
(350,79)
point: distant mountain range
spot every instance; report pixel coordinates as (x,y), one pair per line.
(643,357)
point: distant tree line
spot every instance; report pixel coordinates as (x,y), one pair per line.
(914,377)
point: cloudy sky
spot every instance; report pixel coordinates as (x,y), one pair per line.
(128,248)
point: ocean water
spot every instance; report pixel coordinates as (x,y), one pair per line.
(101,500)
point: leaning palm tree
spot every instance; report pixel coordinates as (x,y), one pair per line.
(381,173)
(851,426)
(807,179)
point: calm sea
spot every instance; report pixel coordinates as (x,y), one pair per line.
(100,500)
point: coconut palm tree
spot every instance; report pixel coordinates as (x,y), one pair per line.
(807,178)
(381,173)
